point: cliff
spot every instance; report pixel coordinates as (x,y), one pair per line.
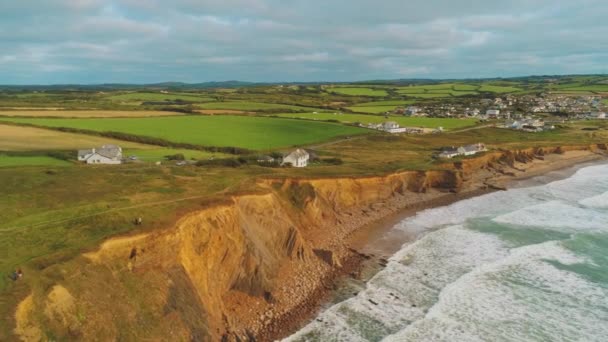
(242,270)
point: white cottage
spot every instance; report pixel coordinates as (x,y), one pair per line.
(297,158)
(106,154)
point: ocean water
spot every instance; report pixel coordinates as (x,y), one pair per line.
(527,264)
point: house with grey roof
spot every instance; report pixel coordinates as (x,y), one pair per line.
(297,158)
(106,154)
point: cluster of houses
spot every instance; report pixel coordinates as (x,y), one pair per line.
(529,125)
(467,150)
(506,106)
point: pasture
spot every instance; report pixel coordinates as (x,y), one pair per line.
(404,121)
(148,96)
(356,91)
(498,89)
(372,109)
(86,113)
(253,106)
(159,154)
(256,133)
(19,138)
(599,88)
(385,103)
(15,161)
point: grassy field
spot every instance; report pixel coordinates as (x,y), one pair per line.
(252,106)
(394,103)
(13,161)
(16,138)
(465,87)
(355,91)
(498,89)
(600,88)
(87,113)
(372,109)
(402,120)
(428,95)
(159,154)
(146,96)
(258,133)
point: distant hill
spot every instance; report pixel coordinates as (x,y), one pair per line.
(599,79)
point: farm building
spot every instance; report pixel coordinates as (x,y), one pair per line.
(106,154)
(297,158)
(467,150)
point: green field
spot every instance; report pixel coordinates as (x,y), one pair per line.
(252,106)
(385,103)
(159,97)
(463,93)
(372,109)
(402,120)
(13,161)
(154,155)
(464,87)
(428,95)
(355,91)
(594,88)
(498,89)
(258,133)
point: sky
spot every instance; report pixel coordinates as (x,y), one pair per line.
(147,41)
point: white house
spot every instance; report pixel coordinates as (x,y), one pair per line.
(470,150)
(493,113)
(297,158)
(392,127)
(467,150)
(451,152)
(597,115)
(106,154)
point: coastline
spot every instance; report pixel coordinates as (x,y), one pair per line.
(265,284)
(370,246)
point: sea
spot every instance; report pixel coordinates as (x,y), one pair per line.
(526,264)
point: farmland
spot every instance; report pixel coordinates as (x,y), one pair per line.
(256,133)
(498,89)
(159,154)
(86,113)
(18,138)
(252,106)
(371,109)
(355,91)
(402,120)
(145,96)
(15,161)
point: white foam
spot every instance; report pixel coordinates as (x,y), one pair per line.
(409,285)
(521,297)
(599,201)
(556,215)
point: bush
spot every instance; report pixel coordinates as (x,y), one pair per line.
(230,162)
(178,156)
(332,161)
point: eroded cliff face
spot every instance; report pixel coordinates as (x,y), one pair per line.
(226,272)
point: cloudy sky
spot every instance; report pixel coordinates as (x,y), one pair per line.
(140,41)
